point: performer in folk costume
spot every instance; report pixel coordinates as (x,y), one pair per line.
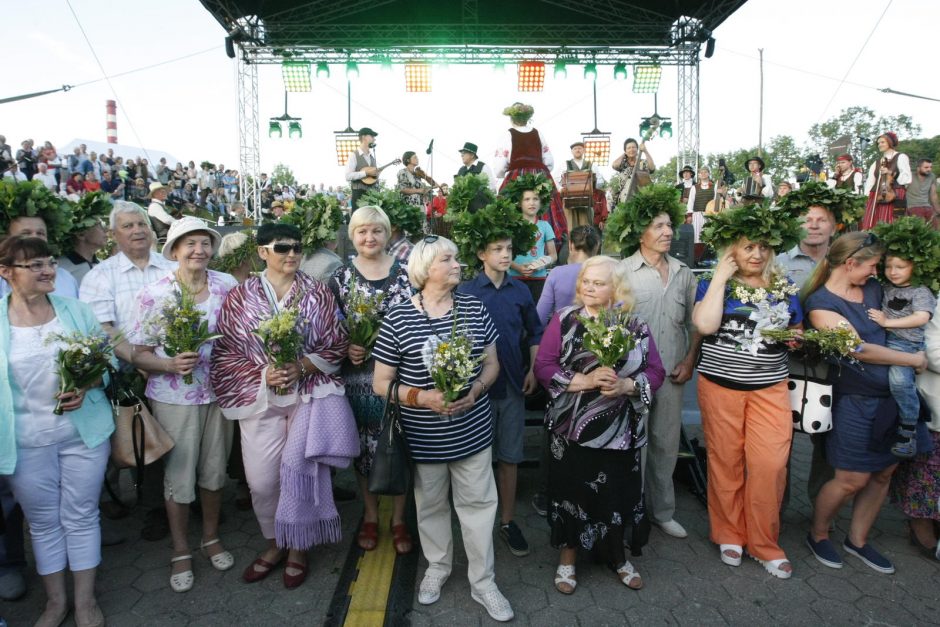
(578,163)
(634,167)
(888,176)
(846,175)
(686,183)
(523,152)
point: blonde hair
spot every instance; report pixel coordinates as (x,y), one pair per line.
(770,266)
(369,214)
(231,242)
(423,255)
(845,247)
(622,291)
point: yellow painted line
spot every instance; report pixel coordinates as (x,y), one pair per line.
(369,592)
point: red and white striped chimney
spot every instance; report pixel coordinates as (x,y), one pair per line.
(111,107)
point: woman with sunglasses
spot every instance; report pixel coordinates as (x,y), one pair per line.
(450,443)
(841,291)
(186,408)
(54,464)
(289,440)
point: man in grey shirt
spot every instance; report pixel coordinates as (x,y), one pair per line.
(921,196)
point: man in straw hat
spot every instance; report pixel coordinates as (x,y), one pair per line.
(160,219)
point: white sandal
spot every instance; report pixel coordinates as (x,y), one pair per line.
(219,561)
(727,559)
(774,567)
(182,582)
(627,575)
(564,574)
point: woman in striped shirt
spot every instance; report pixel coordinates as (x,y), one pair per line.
(450,443)
(742,387)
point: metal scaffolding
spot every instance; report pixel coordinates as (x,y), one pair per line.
(249,141)
(687,116)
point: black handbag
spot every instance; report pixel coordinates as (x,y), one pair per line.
(389,474)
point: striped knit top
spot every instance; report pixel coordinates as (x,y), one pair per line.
(406,334)
(736,356)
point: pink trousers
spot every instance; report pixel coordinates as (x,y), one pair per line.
(263,442)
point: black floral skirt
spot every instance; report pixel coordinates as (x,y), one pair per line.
(596,500)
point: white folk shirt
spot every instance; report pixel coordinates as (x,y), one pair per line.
(504,151)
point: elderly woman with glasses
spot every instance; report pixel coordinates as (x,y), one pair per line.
(181,397)
(840,292)
(450,443)
(371,274)
(55,463)
(295,420)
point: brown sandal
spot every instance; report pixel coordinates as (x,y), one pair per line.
(368,537)
(401,539)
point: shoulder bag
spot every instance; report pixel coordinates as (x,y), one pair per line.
(389,474)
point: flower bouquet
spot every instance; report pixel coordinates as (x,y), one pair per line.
(179,326)
(281,339)
(609,336)
(362,316)
(815,344)
(82,361)
(451,363)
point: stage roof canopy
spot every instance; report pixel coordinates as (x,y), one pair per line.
(471,31)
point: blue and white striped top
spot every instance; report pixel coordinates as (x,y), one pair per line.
(405,333)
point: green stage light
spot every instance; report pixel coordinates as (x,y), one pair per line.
(665,130)
(386,64)
(646,78)
(274,130)
(645,127)
(590,71)
(500,67)
(323,70)
(294,131)
(560,70)
(296,75)
(352,70)
(620,72)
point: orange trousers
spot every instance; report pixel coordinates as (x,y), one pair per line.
(747,434)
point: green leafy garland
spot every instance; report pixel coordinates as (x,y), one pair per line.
(538,182)
(33,199)
(847,208)
(247,251)
(402,214)
(519,111)
(779,229)
(499,220)
(911,238)
(628,221)
(90,210)
(319,219)
(465,190)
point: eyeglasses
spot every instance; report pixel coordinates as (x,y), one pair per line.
(37,266)
(283,249)
(430,239)
(870,240)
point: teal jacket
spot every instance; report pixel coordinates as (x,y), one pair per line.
(94,420)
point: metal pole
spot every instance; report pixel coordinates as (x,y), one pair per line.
(760,126)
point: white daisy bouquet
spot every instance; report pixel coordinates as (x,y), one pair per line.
(609,335)
(82,361)
(840,341)
(363,319)
(179,326)
(281,339)
(451,363)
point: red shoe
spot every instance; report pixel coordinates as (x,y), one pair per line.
(251,575)
(292,581)
(401,539)
(368,537)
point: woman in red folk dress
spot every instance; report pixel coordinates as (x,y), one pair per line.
(891,172)
(522,151)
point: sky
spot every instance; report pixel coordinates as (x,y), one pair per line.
(819,58)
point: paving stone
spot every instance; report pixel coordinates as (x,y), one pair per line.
(833,588)
(697,614)
(833,612)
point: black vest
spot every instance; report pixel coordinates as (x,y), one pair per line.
(573,167)
(476,168)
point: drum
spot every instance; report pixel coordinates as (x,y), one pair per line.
(578,197)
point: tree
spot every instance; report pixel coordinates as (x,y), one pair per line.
(783,156)
(861,126)
(283,175)
(925,148)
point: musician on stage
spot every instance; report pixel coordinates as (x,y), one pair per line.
(578,163)
(522,151)
(635,166)
(360,164)
(889,174)
(686,183)
(846,176)
(473,165)
(703,192)
(411,185)
(757,185)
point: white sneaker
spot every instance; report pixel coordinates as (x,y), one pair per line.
(672,528)
(430,589)
(497,606)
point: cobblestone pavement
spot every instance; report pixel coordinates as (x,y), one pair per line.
(685,583)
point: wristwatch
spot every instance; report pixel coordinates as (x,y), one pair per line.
(636,387)
(303,368)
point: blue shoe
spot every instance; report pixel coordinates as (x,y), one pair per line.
(872,558)
(824,551)
(906,446)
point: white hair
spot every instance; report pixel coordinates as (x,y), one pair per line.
(124,206)
(423,255)
(232,242)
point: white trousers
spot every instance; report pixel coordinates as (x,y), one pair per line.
(58,486)
(475,500)
(263,442)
